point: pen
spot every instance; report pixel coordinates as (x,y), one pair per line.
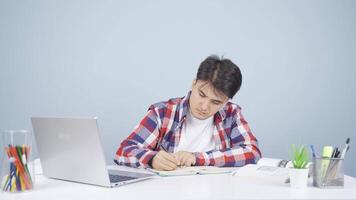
(337,154)
(164,149)
(313,150)
(333,168)
(346,148)
(334,152)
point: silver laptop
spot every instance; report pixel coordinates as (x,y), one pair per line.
(70,149)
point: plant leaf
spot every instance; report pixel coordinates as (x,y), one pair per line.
(299,156)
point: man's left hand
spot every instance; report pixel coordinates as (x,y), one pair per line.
(185,158)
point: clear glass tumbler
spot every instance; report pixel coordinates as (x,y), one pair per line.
(328,172)
(17,167)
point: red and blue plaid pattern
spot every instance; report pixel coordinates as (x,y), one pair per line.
(161,129)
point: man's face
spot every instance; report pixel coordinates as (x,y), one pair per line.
(204,101)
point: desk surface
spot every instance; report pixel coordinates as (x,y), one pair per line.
(217,186)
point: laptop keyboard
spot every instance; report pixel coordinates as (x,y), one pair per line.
(119,178)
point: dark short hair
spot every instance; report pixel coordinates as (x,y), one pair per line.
(222,74)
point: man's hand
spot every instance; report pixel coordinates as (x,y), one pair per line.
(165,161)
(185,158)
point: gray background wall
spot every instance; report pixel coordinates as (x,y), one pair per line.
(112,59)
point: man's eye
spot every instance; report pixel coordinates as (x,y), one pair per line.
(201,94)
(216,103)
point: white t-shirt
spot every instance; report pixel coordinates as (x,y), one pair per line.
(197,135)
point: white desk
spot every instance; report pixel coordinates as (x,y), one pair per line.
(218,186)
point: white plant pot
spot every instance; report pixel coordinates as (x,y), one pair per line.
(298,177)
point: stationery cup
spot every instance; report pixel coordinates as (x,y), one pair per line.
(17,167)
(328,172)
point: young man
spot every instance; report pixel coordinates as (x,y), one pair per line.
(202,128)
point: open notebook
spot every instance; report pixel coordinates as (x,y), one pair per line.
(266,167)
(182,171)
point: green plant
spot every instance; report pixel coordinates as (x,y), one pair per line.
(300,157)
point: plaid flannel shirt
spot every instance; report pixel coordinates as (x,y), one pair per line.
(160,129)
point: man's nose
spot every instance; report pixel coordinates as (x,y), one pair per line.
(204,105)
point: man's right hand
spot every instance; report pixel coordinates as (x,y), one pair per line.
(165,161)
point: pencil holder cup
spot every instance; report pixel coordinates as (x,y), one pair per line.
(328,172)
(17,167)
